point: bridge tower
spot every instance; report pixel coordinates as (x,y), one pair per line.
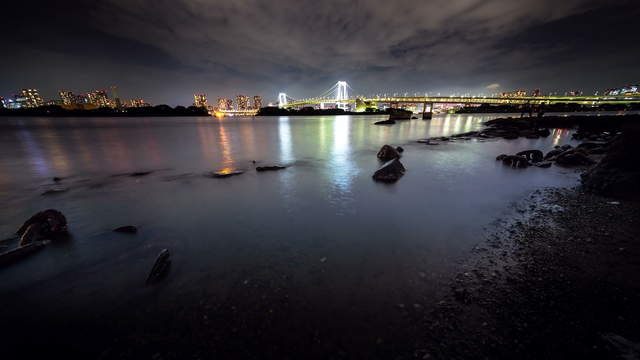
(282,100)
(342,93)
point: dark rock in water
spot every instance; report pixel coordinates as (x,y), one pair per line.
(591,145)
(57,179)
(140,173)
(552,154)
(384,122)
(573,157)
(270,168)
(54,191)
(226,173)
(129,229)
(566,147)
(543,132)
(160,267)
(515,161)
(532,155)
(510,135)
(390,171)
(387,152)
(428,142)
(414,117)
(598,150)
(543,164)
(399,149)
(48,223)
(501,157)
(20,252)
(618,173)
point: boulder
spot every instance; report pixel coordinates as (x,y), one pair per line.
(543,132)
(387,152)
(270,168)
(384,122)
(501,157)
(543,164)
(515,161)
(160,267)
(551,155)
(618,173)
(129,229)
(532,155)
(399,149)
(574,157)
(390,171)
(49,222)
(226,173)
(566,147)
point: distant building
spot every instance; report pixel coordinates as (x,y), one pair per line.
(2,100)
(67,97)
(242,102)
(536,92)
(30,98)
(574,93)
(99,98)
(225,104)
(115,99)
(514,94)
(200,100)
(137,103)
(257,102)
(629,90)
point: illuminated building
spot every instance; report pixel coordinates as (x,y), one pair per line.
(514,94)
(137,103)
(242,102)
(629,90)
(2,100)
(67,97)
(574,93)
(225,104)
(29,98)
(257,102)
(200,100)
(536,92)
(115,98)
(99,98)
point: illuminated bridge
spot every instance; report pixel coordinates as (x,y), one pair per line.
(339,95)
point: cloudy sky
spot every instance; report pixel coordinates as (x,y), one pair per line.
(165,50)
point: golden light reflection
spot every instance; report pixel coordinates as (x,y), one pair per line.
(225,144)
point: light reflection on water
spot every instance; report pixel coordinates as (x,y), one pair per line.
(324,204)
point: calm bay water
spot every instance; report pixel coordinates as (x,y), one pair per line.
(341,249)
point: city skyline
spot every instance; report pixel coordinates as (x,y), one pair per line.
(443,47)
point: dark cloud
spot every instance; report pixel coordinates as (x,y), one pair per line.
(167,49)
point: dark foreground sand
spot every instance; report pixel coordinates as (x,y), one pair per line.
(561,280)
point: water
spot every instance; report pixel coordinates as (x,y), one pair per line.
(319,243)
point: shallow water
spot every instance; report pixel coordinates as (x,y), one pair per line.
(321,231)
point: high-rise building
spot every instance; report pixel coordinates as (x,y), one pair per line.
(200,100)
(257,102)
(2,100)
(30,98)
(242,102)
(67,97)
(99,98)
(115,99)
(137,103)
(225,104)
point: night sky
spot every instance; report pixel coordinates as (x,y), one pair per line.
(165,50)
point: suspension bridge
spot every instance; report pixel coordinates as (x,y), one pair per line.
(338,95)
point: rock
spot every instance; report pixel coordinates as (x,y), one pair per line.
(515,161)
(598,150)
(618,173)
(566,147)
(501,157)
(591,145)
(54,191)
(543,132)
(57,179)
(387,153)
(160,267)
(414,117)
(543,164)
(129,229)
(45,224)
(390,171)
(552,154)
(226,173)
(399,149)
(270,168)
(510,135)
(384,122)
(428,142)
(532,155)
(140,173)
(20,252)
(573,157)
